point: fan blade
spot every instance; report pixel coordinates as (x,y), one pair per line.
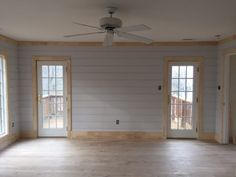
(134,37)
(108,39)
(90,26)
(134,28)
(82,34)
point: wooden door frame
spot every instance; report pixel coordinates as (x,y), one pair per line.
(35,59)
(224,103)
(199,120)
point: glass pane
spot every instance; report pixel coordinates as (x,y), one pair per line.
(59,71)
(182,85)
(53,121)
(189,71)
(45,122)
(52,92)
(59,84)
(46,111)
(181,97)
(182,71)
(45,93)
(174,116)
(189,123)
(59,93)
(175,72)
(45,83)
(174,98)
(52,84)
(52,71)
(44,71)
(189,85)
(60,122)
(174,85)
(189,97)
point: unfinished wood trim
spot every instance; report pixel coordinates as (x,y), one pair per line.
(199,60)
(207,136)
(28,134)
(118,135)
(35,92)
(7,140)
(227,39)
(5,55)
(8,40)
(223,105)
(122,44)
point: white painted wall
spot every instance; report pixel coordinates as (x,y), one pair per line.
(12,73)
(117,83)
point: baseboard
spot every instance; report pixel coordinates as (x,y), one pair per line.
(207,136)
(117,135)
(28,134)
(7,140)
(217,137)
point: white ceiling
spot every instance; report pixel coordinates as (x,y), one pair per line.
(170,20)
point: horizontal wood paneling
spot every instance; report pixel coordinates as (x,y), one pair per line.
(116,83)
(9,47)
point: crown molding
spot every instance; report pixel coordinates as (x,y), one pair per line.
(119,44)
(227,39)
(8,39)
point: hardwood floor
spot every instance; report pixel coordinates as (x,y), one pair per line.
(73,158)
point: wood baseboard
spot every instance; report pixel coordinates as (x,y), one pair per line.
(28,134)
(7,140)
(117,135)
(207,136)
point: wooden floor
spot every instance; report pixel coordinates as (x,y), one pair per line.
(73,158)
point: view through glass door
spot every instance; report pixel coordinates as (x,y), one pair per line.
(52,111)
(183,80)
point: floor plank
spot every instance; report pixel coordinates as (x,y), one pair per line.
(58,157)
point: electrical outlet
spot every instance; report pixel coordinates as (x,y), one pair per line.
(117,122)
(13,124)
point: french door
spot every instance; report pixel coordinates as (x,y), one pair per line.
(52,97)
(182,99)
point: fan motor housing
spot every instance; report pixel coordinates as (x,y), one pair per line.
(110,23)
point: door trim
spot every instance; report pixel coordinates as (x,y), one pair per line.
(224,98)
(199,121)
(35,59)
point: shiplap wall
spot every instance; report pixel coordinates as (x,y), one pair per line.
(13,79)
(117,83)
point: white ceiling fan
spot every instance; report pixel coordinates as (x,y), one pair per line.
(111,25)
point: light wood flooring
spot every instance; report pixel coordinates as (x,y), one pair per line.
(74,158)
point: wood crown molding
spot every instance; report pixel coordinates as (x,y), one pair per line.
(8,40)
(227,39)
(99,44)
(117,44)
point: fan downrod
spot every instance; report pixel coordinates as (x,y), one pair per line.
(111,10)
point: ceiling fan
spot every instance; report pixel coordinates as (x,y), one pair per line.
(111,26)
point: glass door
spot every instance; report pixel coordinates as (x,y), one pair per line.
(52,111)
(182,100)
